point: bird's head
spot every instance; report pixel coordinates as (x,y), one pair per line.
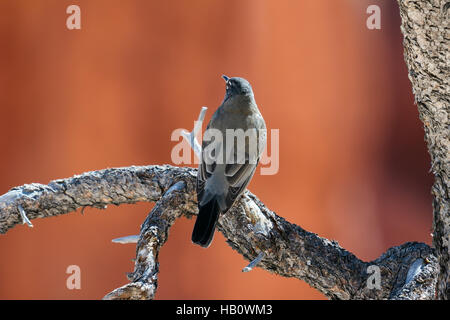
(237,86)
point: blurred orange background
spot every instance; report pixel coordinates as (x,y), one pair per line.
(353,161)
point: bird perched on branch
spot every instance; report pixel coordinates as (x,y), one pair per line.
(232,145)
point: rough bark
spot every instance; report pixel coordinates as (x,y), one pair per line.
(425,27)
(408,271)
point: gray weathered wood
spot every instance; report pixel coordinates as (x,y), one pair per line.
(249,227)
(425,27)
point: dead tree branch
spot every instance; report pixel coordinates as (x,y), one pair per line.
(249,227)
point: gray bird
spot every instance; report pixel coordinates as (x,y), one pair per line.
(232,145)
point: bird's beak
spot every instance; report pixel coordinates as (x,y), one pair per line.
(225,78)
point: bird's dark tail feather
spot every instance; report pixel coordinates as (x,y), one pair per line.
(206,223)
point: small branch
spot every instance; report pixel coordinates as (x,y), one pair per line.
(154,233)
(253,264)
(127,239)
(191,136)
(24,216)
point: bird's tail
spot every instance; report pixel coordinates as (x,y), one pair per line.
(206,223)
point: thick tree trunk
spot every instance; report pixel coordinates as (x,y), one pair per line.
(425,27)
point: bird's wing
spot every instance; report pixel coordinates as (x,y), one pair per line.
(237,175)
(239,180)
(205,169)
